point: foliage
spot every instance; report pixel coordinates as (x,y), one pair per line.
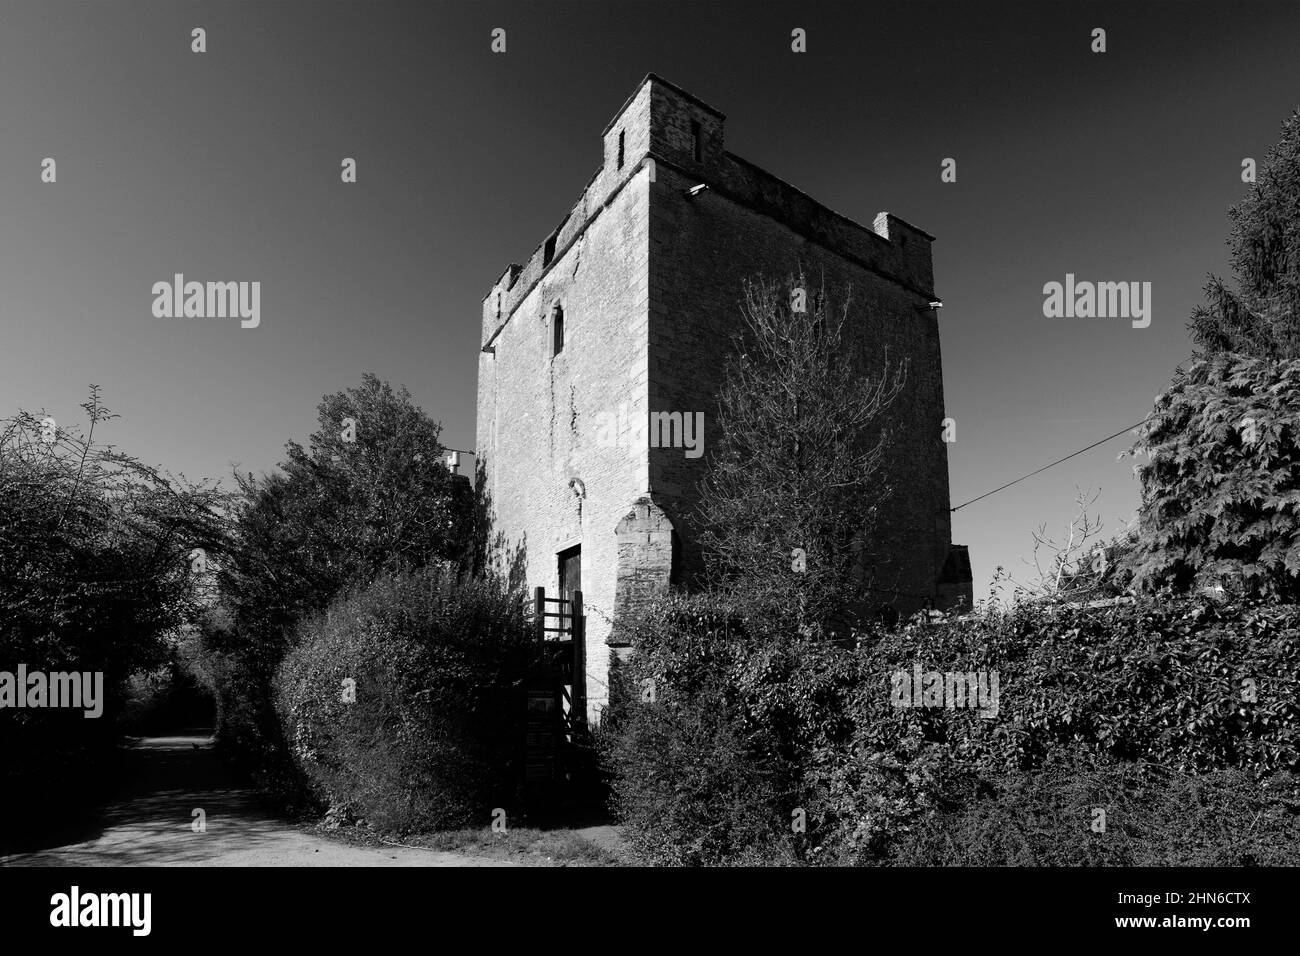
(370,494)
(797,460)
(95,575)
(175,696)
(692,785)
(1262,318)
(1152,817)
(432,738)
(1221,490)
(338,512)
(531,846)
(695,781)
(1159,682)
(1069,568)
(816,721)
(716,768)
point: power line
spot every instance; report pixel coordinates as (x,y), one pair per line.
(1057,462)
(1178,368)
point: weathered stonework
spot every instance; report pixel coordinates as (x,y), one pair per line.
(647,547)
(646,280)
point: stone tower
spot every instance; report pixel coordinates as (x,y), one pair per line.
(626,311)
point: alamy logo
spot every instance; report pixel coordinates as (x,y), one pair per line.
(1098,300)
(84,690)
(659,429)
(972,690)
(208,300)
(103,909)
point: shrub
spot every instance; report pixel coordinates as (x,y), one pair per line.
(711,771)
(433,737)
(250,736)
(691,784)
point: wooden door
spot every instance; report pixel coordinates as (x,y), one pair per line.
(570,578)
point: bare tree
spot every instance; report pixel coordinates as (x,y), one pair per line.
(795,486)
(1068,566)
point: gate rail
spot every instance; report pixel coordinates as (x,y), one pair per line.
(557,697)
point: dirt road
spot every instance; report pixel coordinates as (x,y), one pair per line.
(151,823)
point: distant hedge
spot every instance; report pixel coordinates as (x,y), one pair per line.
(432,738)
(815,724)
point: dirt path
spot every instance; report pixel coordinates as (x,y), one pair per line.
(150,823)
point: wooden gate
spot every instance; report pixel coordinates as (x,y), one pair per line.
(556,696)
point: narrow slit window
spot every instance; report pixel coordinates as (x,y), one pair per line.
(620,149)
(548,252)
(557,331)
(695,140)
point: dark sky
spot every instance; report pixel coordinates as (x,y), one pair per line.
(225,166)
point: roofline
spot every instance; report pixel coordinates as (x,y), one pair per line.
(909,225)
(821,205)
(691,97)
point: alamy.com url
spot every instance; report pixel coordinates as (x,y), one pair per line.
(1202,923)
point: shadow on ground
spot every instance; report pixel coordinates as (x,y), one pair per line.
(153,822)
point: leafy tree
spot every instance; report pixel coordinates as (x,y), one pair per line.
(370,492)
(791,500)
(101,565)
(1262,317)
(98,559)
(1221,491)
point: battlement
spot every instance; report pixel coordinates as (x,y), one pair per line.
(682,136)
(891,248)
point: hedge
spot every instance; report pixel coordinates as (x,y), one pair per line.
(815,720)
(429,733)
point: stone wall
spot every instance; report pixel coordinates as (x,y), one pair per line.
(539,414)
